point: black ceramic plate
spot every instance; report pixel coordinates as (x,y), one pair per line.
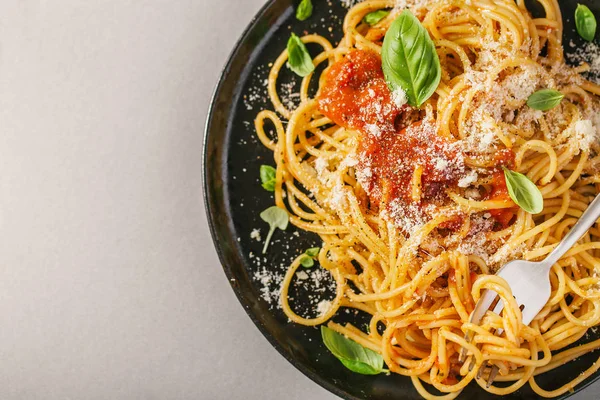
(234,199)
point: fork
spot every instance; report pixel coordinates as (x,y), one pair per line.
(529,282)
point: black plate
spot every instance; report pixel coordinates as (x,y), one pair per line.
(234,199)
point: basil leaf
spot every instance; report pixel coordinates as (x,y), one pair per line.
(523,192)
(313,251)
(299,60)
(360,367)
(545,99)
(276,218)
(409,59)
(585,22)
(374,17)
(354,356)
(304,10)
(306,261)
(267,177)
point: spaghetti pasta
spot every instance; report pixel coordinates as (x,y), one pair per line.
(415,217)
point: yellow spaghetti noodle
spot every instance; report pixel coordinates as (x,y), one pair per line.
(421,285)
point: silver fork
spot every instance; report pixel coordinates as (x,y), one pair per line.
(529,282)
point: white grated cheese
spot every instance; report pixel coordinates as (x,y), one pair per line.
(441,164)
(321,165)
(465,181)
(349,3)
(521,85)
(323,306)
(301,275)
(364,175)
(288,96)
(588,53)
(338,196)
(586,134)
(255,234)
(399,97)
(350,160)
(270,284)
(373,129)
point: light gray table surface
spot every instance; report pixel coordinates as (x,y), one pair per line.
(110,287)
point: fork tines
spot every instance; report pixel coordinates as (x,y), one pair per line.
(488,301)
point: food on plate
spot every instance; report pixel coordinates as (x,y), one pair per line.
(436,142)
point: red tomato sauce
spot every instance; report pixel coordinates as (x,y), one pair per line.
(499,192)
(355,95)
(394,155)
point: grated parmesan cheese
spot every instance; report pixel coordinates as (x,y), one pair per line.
(288,95)
(441,164)
(270,281)
(323,307)
(468,179)
(399,97)
(585,133)
(521,85)
(589,54)
(321,165)
(349,3)
(301,275)
(255,234)
(338,196)
(373,130)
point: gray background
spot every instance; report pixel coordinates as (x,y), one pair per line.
(109,284)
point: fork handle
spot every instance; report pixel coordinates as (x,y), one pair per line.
(588,218)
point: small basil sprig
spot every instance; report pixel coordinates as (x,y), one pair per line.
(312,252)
(267,177)
(354,356)
(304,10)
(307,259)
(374,17)
(545,99)
(585,22)
(523,192)
(299,60)
(276,218)
(409,59)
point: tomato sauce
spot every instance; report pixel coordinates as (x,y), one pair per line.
(499,192)
(394,156)
(355,95)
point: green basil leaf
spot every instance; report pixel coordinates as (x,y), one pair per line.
(409,59)
(299,60)
(374,17)
(523,192)
(269,185)
(360,367)
(585,22)
(304,10)
(545,99)
(267,177)
(276,218)
(354,356)
(313,251)
(306,261)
